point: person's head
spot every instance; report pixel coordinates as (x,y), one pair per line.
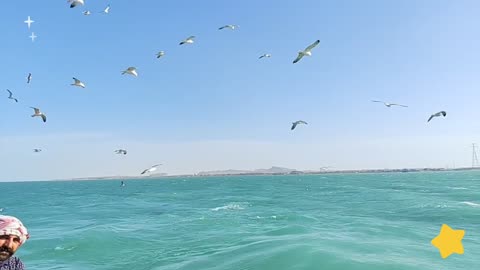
(12,235)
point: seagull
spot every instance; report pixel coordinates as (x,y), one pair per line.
(131,71)
(28,22)
(160,54)
(106,10)
(10,96)
(36,150)
(229,26)
(78,83)
(121,151)
(307,51)
(189,40)
(87,12)
(74,3)
(32,36)
(122,184)
(29,77)
(441,113)
(38,113)
(265,55)
(151,169)
(294,124)
(389,104)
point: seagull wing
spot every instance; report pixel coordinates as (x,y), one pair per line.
(293,126)
(444,113)
(44,117)
(431,116)
(10,93)
(77,81)
(190,37)
(223,27)
(378,101)
(145,171)
(312,45)
(395,104)
(300,55)
(36,110)
(302,122)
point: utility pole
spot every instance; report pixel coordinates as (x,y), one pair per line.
(474,156)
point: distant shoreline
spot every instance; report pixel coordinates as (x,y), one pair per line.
(253,173)
(293,172)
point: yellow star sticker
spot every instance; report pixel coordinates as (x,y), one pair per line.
(449,241)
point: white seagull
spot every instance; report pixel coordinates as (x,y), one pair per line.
(121,151)
(294,124)
(441,113)
(87,12)
(389,104)
(29,77)
(306,52)
(188,40)
(131,71)
(10,96)
(39,113)
(267,55)
(74,3)
(151,169)
(36,150)
(229,26)
(160,54)
(78,83)
(32,36)
(106,10)
(29,22)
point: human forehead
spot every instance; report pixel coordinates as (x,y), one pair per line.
(8,236)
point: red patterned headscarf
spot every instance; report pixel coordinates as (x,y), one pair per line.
(13,226)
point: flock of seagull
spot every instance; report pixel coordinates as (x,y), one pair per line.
(189,40)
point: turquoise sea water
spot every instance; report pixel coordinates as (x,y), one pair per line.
(338,221)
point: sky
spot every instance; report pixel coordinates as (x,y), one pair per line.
(213,105)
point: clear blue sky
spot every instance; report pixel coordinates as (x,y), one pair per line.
(214,105)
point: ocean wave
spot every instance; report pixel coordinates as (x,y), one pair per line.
(471,204)
(230,206)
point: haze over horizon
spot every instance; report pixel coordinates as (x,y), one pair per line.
(213,105)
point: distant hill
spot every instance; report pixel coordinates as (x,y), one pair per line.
(272,170)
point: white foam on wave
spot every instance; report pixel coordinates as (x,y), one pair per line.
(458,188)
(230,206)
(471,204)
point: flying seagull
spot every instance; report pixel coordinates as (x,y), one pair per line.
(121,151)
(131,71)
(389,104)
(294,124)
(267,55)
(29,22)
(29,77)
(38,113)
(441,113)
(160,54)
(106,10)
(74,3)
(188,40)
(32,36)
(10,95)
(229,26)
(306,52)
(151,169)
(87,12)
(78,83)
(36,150)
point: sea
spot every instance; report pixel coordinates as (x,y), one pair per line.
(378,221)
